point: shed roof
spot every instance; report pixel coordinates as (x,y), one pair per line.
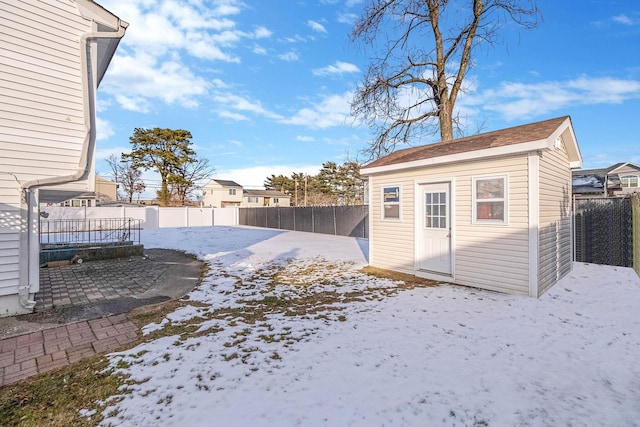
(538,135)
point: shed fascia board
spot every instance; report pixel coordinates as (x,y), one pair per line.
(573,151)
(459,157)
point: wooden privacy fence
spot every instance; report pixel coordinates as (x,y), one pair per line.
(607,231)
(338,220)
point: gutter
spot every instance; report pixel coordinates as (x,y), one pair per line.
(88,145)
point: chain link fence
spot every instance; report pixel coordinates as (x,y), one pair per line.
(604,231)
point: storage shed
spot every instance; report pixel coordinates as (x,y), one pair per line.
(491,211)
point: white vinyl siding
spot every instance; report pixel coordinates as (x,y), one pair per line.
(41,119)
(487,256)
(555,239)
(9,249)
(42,131)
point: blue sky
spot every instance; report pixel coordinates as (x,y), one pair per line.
(264,86)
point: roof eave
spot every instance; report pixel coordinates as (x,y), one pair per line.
(460,157)
(565,130)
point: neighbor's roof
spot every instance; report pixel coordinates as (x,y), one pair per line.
(491,142)
(264,193)
(226,183)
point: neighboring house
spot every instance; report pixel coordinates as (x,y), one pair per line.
(220,193)
(491,211)
(53,55)
(255,198)
(620,180)
(105,192)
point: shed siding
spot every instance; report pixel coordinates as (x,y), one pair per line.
(555,245)
(486,256)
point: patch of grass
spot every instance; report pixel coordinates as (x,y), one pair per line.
(409,280)
(54,399)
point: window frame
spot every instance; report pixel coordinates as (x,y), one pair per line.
(504,199)
(628,178)
(398,203)
(232,191)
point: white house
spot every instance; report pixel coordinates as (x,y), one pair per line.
(53,55)
(491,211)
(256,198)
(220,193)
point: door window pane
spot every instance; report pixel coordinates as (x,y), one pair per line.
(435,210)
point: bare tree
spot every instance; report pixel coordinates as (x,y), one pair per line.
(127,178)
(184,178)
(411,88)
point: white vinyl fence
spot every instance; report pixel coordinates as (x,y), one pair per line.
(151,216)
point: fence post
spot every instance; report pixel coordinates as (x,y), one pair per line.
(635,232)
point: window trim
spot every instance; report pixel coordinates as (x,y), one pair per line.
(628,178)
(232,191)
(398,203)
(504,199)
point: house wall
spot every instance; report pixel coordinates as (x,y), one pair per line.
(623,171)
(282,201)
(487,256)
(555,253)
(218,196)
(41,115)
(105,190)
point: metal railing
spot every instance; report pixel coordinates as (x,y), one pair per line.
(98,230)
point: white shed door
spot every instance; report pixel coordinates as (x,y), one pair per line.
(434,241)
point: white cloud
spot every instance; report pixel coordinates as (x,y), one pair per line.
(103,129)
(233,116)
(332,111)
(515,100)
(316,26)
(262,32)
(347,18)
(135,80)
(622,19)
(152,61)
(338,68)
(303,138)
(289,56)
(239,103)
(105,153)
(259,50)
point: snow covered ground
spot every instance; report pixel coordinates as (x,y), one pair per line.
(367,353)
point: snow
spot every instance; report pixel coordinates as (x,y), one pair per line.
(374,353)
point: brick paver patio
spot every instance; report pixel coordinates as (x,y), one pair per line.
(125,282)
(37,352)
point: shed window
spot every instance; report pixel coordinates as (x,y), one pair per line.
(391,202)
(629,181)
(490,200)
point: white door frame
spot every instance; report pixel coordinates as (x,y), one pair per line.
(418,229)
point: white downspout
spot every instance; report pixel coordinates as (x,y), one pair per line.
(88,96)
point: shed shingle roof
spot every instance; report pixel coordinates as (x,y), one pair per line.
(499,138)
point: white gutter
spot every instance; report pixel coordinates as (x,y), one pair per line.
(88,145)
